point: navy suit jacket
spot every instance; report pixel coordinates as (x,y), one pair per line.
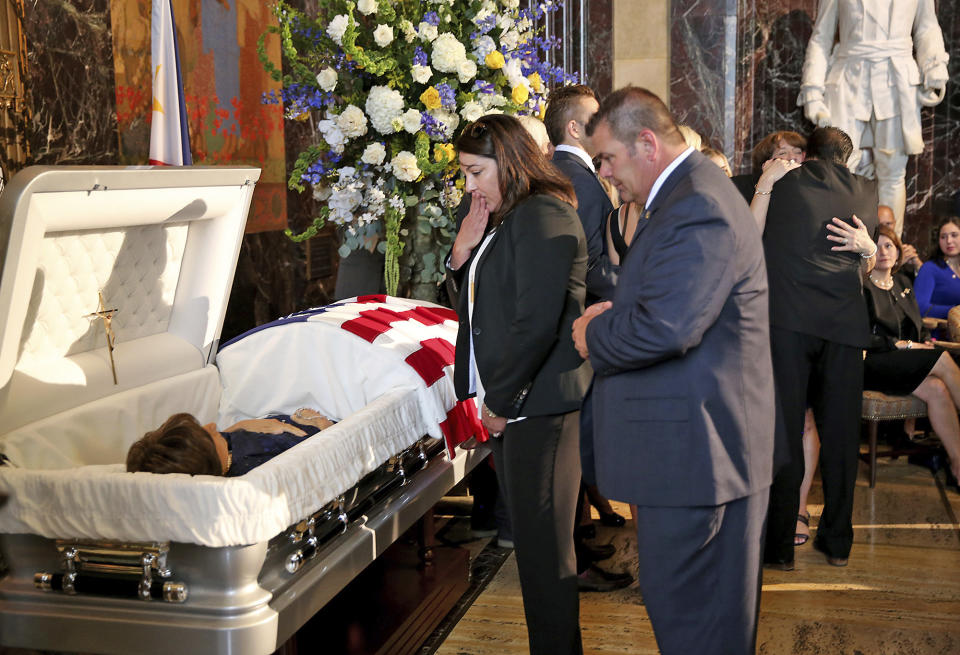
(683,395)
(593,207)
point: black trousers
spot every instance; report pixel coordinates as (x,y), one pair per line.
(700,575)
(538,467)
(832,375)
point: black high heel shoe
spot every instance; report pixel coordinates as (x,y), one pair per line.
(612,519)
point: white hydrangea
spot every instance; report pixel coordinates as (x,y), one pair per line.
(411,121)
(383,35)
(327,79)
(471,111)
(509,40)
(511,4)
(337,28)
(466,70)
(514,74)
(352,122)
(448,52)
(405,167)
(383,106)
(396,123)
(343,201)
(367,7)
(333,135)
(374,154)
(426,31)
(449,120)
(421,74)
(483,47)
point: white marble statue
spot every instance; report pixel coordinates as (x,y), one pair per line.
(870,65)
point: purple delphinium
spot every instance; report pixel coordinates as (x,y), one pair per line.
(431,126)
(448,97)
(431,17)
(420,57)
(484,87)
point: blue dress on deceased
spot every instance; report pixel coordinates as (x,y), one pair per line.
(251,449)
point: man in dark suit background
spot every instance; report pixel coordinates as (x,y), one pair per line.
(684,405)
(818,328)
(568,112)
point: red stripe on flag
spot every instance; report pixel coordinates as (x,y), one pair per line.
(430,315)
(461,424)
(372,298)
(430,360)
(372,323)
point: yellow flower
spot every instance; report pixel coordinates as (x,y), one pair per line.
(302,116)
(495,60)
(431,98)
(536,82)
(520,94)
(459,183)
(442,150)
(543,110)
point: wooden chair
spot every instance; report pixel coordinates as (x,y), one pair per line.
(882,407)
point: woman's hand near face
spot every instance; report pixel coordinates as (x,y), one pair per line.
(471,231)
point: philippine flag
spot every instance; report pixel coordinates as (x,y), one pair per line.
(169,136)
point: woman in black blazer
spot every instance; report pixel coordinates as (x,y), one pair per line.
(520,257)
(900,360)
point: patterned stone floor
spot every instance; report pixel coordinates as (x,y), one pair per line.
(900,594)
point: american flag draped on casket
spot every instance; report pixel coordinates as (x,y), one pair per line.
(372,344)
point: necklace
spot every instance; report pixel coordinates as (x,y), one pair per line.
(886,285)
(954,266)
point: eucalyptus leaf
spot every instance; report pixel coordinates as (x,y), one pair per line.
(343,251)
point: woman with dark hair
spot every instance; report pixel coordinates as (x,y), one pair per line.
(900,360)
(521,258)
(938,285)
(182,445)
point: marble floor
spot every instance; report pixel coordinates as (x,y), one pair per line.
(900,594)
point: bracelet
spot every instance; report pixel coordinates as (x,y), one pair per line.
(489,413)
(758,192)
(875,248)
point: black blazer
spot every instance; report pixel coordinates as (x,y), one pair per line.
(814,290)
(529,289)
(593,207)
(894,315)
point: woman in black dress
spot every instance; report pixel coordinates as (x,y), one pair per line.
(900,359)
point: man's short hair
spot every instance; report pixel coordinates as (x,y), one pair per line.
(830,144)
(564,105)
(631,110)
(180,445)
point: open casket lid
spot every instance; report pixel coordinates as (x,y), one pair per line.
(160,243)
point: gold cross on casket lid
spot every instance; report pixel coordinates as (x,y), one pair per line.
(106,315)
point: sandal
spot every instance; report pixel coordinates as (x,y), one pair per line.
(800,538)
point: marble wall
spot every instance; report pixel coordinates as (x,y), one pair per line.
(735,72)
(70,82)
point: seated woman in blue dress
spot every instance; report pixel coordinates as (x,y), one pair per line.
(900,360)
(182,445)
(938,285)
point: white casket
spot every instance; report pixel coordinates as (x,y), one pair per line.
(104,561)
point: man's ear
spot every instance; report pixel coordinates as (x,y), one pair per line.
(646,145)
(573,130)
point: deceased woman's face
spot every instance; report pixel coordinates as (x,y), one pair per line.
(481,176)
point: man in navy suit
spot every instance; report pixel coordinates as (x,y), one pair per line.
(684,402)
(569,110)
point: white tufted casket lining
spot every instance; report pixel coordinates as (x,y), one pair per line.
(160,243)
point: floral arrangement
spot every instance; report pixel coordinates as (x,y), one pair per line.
(386,84)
